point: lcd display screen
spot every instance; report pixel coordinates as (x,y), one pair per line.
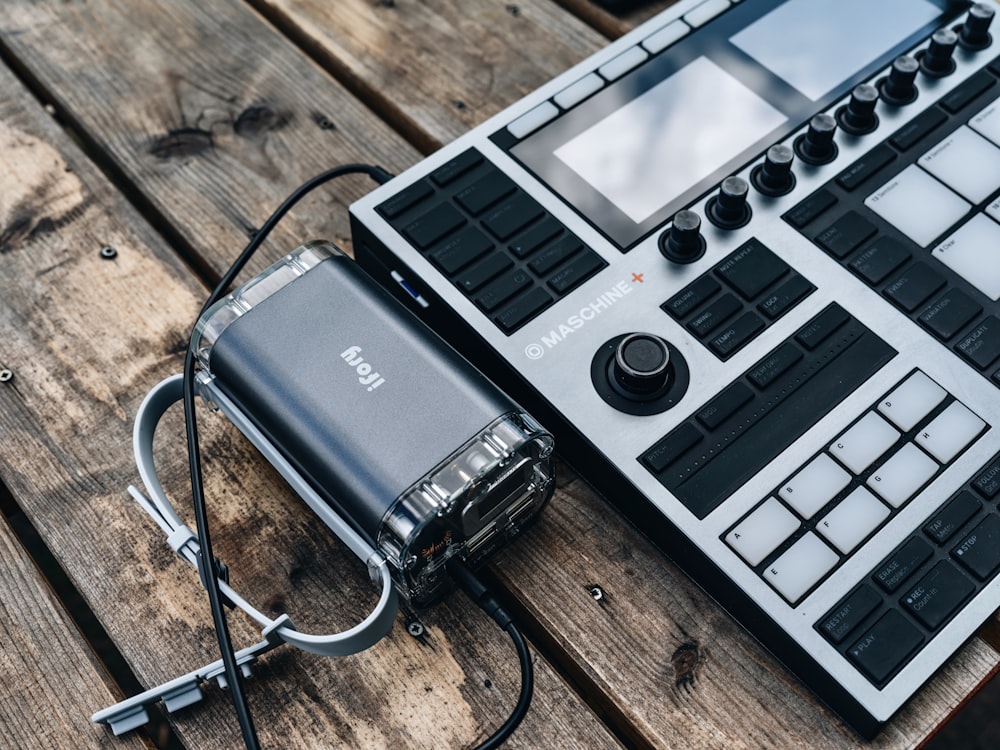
(815,44)
(644,155)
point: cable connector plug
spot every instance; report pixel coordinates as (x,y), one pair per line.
(477,591)
(380,175)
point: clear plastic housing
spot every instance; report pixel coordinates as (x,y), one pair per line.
(223,313)
(470,505)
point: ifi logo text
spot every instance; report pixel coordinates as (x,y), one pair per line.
(351,355)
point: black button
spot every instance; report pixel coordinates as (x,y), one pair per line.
(966,92)
(883,257)
(405,199)
(555,254)
(950,314)
(736,335)
(908,135)
(714,315)
(903,563)
(775,365)
(820,328)
(513,215)
(751,269)
(886,646)
(522,309)
(914,287)
(782,299)
(938,594)
(484,192)
(810,208)
(473,278)
(987,483)
(670,448)
(458,166)
(865,167)
(848,615)
(979,552)
(441,220)
(982,346)
(947,521)
(845,234)
(467,245)
(535,237)
(691,296)
(578,269)
(723,406)
(502,289)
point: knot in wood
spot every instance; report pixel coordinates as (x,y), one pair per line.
(686,661)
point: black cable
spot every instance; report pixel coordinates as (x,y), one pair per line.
(477,591)
(207,564)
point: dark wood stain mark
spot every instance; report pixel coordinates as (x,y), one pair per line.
(18,229)
(259,120)
(276,604)
(686,661)
(54,266)
(181,142)
(26,227)
(324,122)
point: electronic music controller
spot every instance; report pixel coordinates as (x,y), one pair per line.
(745,263)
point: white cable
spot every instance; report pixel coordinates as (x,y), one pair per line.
(184,690)
(366,633)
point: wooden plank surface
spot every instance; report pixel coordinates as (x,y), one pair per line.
(205,112)
(86,337)
(435,69)
(51,679)
(210,118)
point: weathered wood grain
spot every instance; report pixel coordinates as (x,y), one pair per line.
(207,115)
(50,677)
(85,338)
(435,69)
(668,660)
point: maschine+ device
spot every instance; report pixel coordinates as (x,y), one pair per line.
(745,263)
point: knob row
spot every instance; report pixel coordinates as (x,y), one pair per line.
(729,209)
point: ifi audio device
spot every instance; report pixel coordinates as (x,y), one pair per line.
(417,462)
(745,263)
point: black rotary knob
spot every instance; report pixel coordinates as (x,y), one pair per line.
(683,242)
(816,145)
(938,60)
(774,177)
(641,365)
(974,34)
(858,116)
(898,88)
(729,209)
